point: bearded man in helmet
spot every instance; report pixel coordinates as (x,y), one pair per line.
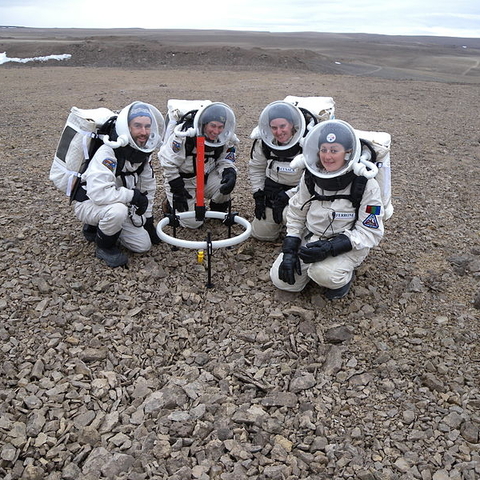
(117,191)
(327,235)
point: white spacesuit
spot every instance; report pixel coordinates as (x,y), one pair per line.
(216,122)
(116,195)
(273,181)
(327,236)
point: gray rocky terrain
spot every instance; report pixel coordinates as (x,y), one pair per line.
(145,373)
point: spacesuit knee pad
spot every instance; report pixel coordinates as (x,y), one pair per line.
(300,280)
(137,241)
(328,275)
(113,219)
(265,231)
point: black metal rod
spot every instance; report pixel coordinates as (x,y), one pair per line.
(230,216)
(209,259)
(174,220)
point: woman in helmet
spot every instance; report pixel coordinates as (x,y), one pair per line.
(216,122)
(115,198)
(327,236)
(280,127)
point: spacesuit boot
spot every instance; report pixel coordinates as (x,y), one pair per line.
(89,232)
(334,294)
(107,250)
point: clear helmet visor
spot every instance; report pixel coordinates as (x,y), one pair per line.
(142,125)
(281,125)
(216,122)
(335,138)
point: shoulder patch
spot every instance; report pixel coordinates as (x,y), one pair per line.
(176,146)
(230,154)
(375,209)
(110,163)
(371,221)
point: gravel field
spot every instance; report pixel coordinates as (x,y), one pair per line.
(145,373)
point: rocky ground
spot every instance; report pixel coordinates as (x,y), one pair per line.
(144,373)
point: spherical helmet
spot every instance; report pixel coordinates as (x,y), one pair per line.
(216,112)
(329,132)
(291,114)
(140,109)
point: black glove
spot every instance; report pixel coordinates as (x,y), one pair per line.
(152,231)
(321,249)
(290,263)
(180,194)
(260,205)
(279,203)
(229,178)
(140,201)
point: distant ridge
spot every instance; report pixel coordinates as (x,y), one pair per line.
(445,59)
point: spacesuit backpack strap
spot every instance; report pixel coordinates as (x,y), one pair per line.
(287,155)
(356,192)
(135,157)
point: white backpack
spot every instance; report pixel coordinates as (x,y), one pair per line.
(323,108)
(77,143)
(177,109)
(380,143)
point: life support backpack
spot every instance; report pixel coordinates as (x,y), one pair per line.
(378,144)
(323,108)
(78,143)
(178,109)
(376,147)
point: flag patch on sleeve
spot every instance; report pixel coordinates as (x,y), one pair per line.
(375,210)
(230,154)
(110,164)
(176,146)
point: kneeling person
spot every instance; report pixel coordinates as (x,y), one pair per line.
(216,122)
(327,236)
(280,128)
(117,191)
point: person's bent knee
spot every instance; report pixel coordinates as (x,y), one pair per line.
(136,243)
(190,223)
(264,234)
(264,238)
(298,286)
(286,287)
(113,218)
(327,277)
(140,248)
(265,231)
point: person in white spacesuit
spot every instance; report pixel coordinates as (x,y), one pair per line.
(273,181)
(216,122)
(327,237)
(117,191)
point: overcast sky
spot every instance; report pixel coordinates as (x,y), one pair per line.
(454,18)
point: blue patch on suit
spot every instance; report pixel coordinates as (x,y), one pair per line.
(176,146)
(230,154)
(110,163)
(371,221)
